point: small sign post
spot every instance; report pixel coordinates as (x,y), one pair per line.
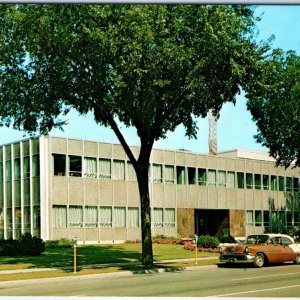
(75,246)
(196,249)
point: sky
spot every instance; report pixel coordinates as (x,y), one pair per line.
(235,128)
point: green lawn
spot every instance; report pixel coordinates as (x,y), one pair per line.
(96,254)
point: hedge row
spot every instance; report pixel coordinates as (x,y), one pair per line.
(25,246)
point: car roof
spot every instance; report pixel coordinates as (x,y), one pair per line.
(275,235)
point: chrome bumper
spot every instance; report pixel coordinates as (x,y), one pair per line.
(236,258)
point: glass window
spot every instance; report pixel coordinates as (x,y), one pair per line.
(59,216)
(202,176)
(169,217)
(59,165)
(91,216)
(131,174)
(133,217)
(266,219)
(296,184)
(221,178)
(27,218)
(157,173)
(75,166)
(105,216)
(75,216)
(90,167)
(17,187)
(119,217)
(8,170)
(169,174)
(230,182)
(257,181)
(266,185)
(17,169)
(1,171)
(258,218)
(104,168)
(119,170)
(180,171)
(249,180)
(158,220)
(191,175)
(211,177)
(240,180)
(35,165)
(273,183)
(249,217)
(281,183)
(289,184)
(26,167)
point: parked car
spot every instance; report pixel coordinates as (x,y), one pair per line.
(261,249)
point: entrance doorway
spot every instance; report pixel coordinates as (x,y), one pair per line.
(214,222)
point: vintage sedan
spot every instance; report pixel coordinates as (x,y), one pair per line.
(261,249)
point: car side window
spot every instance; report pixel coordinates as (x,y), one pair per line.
(286,241)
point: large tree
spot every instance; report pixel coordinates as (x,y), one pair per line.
(152,67)
(274,102)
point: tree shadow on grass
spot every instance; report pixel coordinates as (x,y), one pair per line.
(63,258)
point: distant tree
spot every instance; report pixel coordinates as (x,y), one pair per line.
(275,106)
(152,67)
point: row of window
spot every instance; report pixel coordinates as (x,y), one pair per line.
(273,219)
(108,216)
(119,170)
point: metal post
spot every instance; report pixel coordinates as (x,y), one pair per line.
(196,249)
(75,246)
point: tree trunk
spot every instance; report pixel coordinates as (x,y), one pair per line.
(143,182)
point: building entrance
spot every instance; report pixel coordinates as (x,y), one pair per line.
(214,222)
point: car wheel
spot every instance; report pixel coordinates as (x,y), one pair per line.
(259,260)
(297,260)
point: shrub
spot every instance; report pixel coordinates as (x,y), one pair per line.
(207,241)
(227,239)
(26,245)
(62,243)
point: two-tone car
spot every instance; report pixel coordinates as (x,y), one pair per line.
(261,249)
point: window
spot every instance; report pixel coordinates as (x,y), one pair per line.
(75,166)
(266,185)
(296,184)
(201,176)
(59,216)
(180,171)
(35,165)
(281,183)
(17,169)
(105,216)
(240,180)
(131,174)
(133,217)
(273,183)
(75,216)
(104,168)
(266,219)
(249,217)
(119,170)
(221,178)
(158,219)
(230,182)
(169,174)
(91,216)
(191,175)
(157,173)
(289,184)
(211,177)
(8,170)
(257,181)
(90,167)
(59,165)
(169,217)
(26,167)
(249,180)
(258,218)
(119,217)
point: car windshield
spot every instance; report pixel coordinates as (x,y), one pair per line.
(258,239)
